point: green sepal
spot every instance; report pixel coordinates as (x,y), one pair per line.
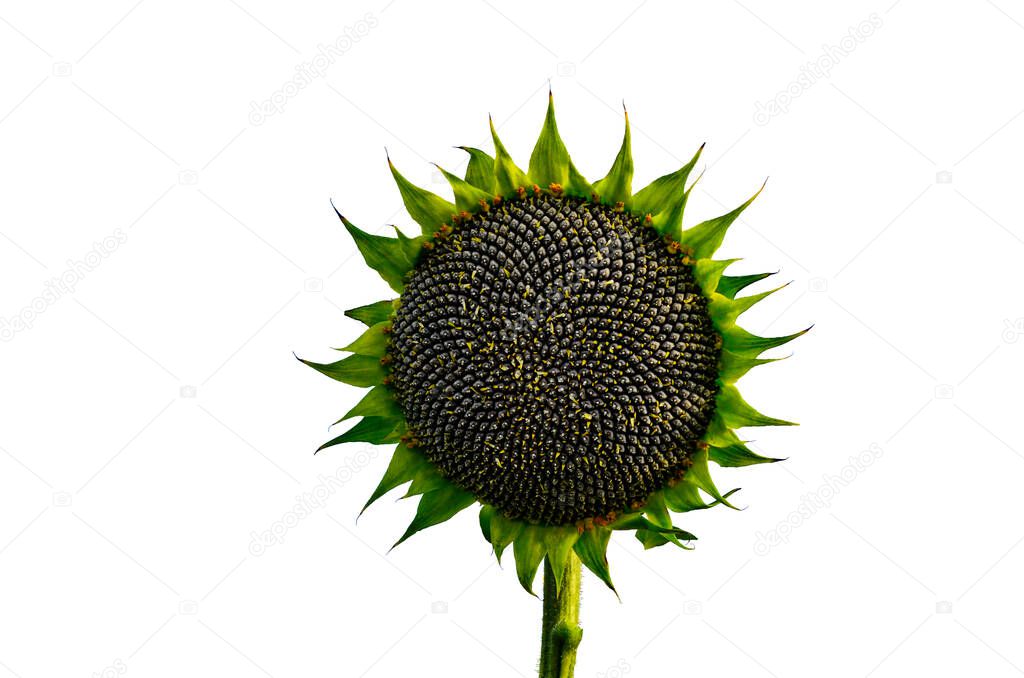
(656,511)
(467,196)
(355,370)
(528,549)
(706,237)
(508,178)
(726,448)
(486,516)
(373,342)
(709,273)
(592,550)
(392,258)
(374,313)
(428,210)
(730,285)
(684,497)
(374,430)
(480,171)
(558,543)
(665,199)
(636,521)
(737,413)
(378,402)
(725,311)
(617,185)
(550,162)
(503,532)
(427,480)
(741,342)
(737,455)
(732,366)
(405,464)
(700,475)
(436,507)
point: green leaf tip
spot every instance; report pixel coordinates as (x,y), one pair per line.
(617,186)
(508,178)
(664,199)
(706,237)
(730,285)
(550,164)
(436,507)
(592,550)
(404,466)
(428,210)
(392,258)
(373,430)
(468,198)
(480,170)
(373,342)
(356,370)
(737,413)
(374,313)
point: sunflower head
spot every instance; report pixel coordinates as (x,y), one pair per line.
(561,352)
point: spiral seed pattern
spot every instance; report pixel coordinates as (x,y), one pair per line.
(555,358)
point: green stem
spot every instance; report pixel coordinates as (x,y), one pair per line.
(560,627)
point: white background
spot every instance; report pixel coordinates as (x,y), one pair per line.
(154,417)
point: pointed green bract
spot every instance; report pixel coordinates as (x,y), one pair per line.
(373,342)
(741,342)
(374,430)
(371,314)
(528,549)
(558,543)
(732,366)
(468,197)
(392,258)
(405,464)
(617,185)
(355,370)
(665,199)
(426,480)
(428,210)
(486,516)
(725,310)
(737,455)
(737,413)
(508,177)
(550,162)
(592,550)
(700,475)
(378,402)
(503,532)
(706,237)
(480,171)
(730,285)
(436,507)
(709,273)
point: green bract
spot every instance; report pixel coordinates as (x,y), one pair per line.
(596,409)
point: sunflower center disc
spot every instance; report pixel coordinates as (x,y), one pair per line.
(555,359)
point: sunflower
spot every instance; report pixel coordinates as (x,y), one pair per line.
(562,353)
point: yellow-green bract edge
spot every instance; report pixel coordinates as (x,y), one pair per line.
(660,205)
